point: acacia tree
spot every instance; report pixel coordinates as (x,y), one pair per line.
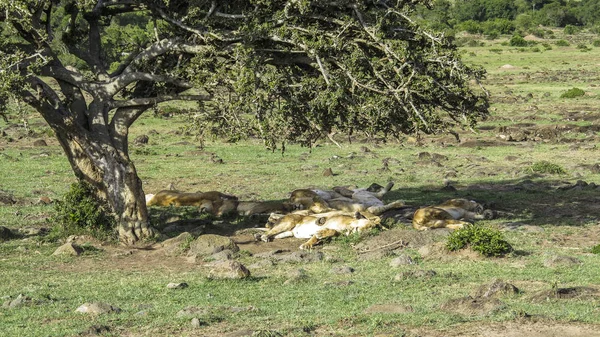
(292,70)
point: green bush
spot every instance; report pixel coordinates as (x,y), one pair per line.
(596,43)
(571,30)
(562,43)
(80,212)
(518,41)
(546,167)
(484,240)
(572,93)
(596,249)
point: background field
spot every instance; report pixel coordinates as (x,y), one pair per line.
(550,219)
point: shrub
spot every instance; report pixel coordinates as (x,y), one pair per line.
(596,249)
(517,41)
(572,93)
(570,30)
(484,240)
(596,43)
(562,43)
(80,212)
(546,167)
(583,47)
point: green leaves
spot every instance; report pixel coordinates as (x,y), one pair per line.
(485,240)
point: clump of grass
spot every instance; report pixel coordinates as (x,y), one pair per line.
(572,93)
(484,240)
(546,167)
(596,249)
(80,212)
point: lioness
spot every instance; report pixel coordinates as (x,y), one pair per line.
(345,199)
(213,202)
(454,214)
(317,228)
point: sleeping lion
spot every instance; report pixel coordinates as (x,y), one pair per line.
(318,227)
(454,214)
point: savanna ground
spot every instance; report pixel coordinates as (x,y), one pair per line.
(348,287)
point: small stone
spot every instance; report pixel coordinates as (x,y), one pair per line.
(174,285)
(229,270)
(195,322)
(328,172)
(40,143)
(401,260)
(97,308)
(68,249)
(143,139)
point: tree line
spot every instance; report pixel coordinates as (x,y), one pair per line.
(494,17)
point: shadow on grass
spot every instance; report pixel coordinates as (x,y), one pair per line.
(526,201)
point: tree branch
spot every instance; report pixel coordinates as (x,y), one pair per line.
(134,102)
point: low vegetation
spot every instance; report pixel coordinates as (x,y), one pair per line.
(484,240)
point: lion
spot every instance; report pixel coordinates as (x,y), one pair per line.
(317,228)
(248,208)
(453,214)
(213,202)
(345,199)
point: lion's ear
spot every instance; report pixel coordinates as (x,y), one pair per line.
(359,215)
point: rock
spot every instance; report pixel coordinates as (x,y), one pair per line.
(175,285)
(496,288)
(209,244)
(328,172)
(97,308)
(177,245)
(342,270)
(68,248)
(40,143)
(297,275)
(300,257)
(143,139)
(228,270)
(195,323)
(223,255)
(401,260)
(561,261)
(20,301)
(389,309)
(6,234)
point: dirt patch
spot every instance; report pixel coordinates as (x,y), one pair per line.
(516,329)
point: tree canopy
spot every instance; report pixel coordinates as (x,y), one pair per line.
(281,70)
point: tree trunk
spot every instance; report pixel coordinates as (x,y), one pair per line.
(114,177)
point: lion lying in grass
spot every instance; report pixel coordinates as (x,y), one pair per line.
(213,202)
(318,227)
(345,199)
(454,214)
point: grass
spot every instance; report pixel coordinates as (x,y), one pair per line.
(517,178)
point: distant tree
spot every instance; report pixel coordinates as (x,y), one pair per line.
(281,70)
